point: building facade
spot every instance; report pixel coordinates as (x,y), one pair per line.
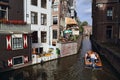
(38,14)
(62,10)
(106,20)
(47,19)
(3,9)
(15,47)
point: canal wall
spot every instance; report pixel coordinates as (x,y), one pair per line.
(112,56)
(61,49)
(69,48)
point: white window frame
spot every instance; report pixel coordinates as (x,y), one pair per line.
(18,46)
(18,57)
(110,12)
(43,19)
(34,17)
(55,8)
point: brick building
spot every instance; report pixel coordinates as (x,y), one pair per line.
(106,20)
(62,11)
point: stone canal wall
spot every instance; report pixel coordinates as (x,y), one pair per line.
(112,56)
(69,48)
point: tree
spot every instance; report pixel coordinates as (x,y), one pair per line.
(84,23)
(81,24)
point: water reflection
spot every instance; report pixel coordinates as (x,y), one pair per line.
(47,71)
(86,45)
(68,68)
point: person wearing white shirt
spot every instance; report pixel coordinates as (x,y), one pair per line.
(93,58)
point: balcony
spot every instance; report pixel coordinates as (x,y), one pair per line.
(12,28)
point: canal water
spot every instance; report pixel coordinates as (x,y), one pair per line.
(67,68)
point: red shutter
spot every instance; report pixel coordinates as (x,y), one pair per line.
(25,41)
(10,63)
(25,59)
(8,41)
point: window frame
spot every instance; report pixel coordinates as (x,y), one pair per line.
(55,7)
(34,17)
(44,5)
(43,37)
(16,43)
(16,58)
(55,34)
(109,29)
(35,3)
(3,12)
(109,13)
(35,37)
(43,19)
(55,20)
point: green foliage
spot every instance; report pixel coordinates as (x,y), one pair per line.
(81,24)
(84,23)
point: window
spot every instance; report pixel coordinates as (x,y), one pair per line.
(18,60)
(54,34)
(109,32)
(35,37)
(43,36)
(17,41)
(3,12)
(34,16)
(39,50)
(55,8)
(43,19)
(44,3)
(34,2)
(55,19)
(72,13)
(109,13)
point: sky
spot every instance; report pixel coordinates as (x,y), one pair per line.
(83,8)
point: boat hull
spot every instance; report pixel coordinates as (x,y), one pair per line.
(89,64)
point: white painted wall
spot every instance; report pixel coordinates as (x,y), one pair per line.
(27,17)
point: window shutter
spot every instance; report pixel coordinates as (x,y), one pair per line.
(25,59)
(8,41)
(10,63)
(25,41)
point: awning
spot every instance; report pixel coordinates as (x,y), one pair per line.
(70,21)
(67,31)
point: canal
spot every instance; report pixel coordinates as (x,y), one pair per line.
(67,68)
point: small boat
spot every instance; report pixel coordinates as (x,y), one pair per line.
(88,63)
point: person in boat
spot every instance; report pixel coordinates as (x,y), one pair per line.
(93,58)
